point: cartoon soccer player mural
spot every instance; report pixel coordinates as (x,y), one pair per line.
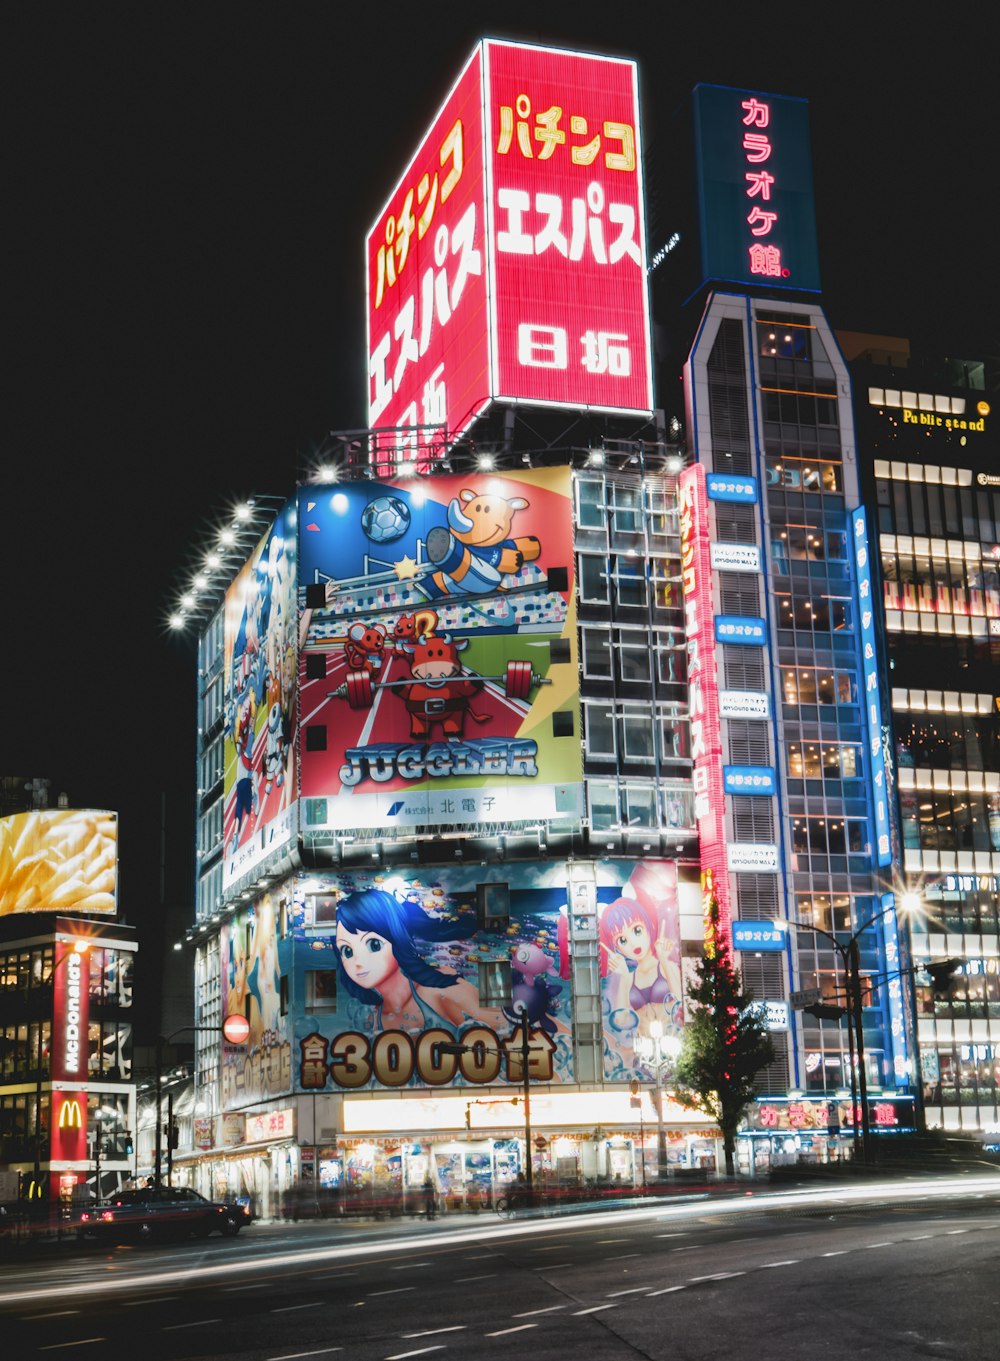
(247,776)
(640,951)
(474,553)
(379,964)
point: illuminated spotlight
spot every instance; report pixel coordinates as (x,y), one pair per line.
(596,458)
(407,468)
(176,621)
(188,601)
(674,463)
(326,472)
(227,537)
(199,582)
(486,463)
(244,511)
(212,560)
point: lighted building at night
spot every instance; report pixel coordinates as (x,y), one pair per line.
(512,682)
(67,1099)
(928,453)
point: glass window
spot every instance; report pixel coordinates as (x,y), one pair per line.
(600,734)
(590,502)
(495,983)
(321,989)
(597,654)
(593,579)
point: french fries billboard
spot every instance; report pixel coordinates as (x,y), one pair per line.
(59,860)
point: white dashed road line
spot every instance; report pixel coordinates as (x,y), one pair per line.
(433,1332)
(594,1309)
(80,1342)
(529,1313)
(504,1331)
(195,1323)
(290,1308)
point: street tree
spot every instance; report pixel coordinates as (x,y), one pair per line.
(725,1045)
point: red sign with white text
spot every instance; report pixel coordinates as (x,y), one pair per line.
(567,230)
(428,331)
(71,988)
(703,686)
(509,263)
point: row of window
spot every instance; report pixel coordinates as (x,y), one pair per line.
(941,585)
(110,973)
(26,1050)
(948,741)
(938,510)
(630,732)
(941,820)
(628,656)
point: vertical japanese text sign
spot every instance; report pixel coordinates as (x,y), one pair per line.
(703,688)
(754,182)
(428,331)
(870,678)
(570,319)
(510,261)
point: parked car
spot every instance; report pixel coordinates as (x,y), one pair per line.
(163,1211)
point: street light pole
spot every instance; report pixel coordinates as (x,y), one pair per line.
(850,958)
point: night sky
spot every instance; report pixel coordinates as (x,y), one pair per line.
(186,199)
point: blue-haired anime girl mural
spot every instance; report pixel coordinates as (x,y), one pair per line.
(379,964)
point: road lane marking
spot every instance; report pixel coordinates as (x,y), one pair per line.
(153,1299)
(55,1313)
(196,1323)
(504,1331)
(408,1266)
(789,1261)
(550,1309)
(718,1276)
(400,1356)
(681,1234)
(954,1231)
(633,1290)
(885,1244)
(601,1241)
(594,1309)
(919,1237)
(621,1256)
(294,1356)
(432,1332)
(288,1308)
(487,1276)
(553,1266)
(80,1342)
(842,1252)
(400,1290)
(667,1290)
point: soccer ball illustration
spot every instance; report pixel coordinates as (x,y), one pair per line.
(385,519)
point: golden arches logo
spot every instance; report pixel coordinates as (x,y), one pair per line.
(69,1115)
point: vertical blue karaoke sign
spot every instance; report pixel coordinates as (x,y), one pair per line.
(870,677)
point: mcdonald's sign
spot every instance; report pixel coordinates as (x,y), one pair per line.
(69,1126)
(69,1114)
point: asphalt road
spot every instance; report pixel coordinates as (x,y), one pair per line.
(888,1272)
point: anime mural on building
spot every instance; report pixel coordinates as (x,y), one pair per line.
(260,710)
(398,964)
(640,944)
(438,680)
(251,987)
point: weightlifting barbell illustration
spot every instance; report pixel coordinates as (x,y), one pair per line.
(518,682)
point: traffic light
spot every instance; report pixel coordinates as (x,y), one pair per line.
(175,1135)
(942,971)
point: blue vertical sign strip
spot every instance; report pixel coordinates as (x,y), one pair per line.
(870,677)
(901,1075)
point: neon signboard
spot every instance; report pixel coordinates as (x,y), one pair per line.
(758,936)
(870,675)
(754,183)
(71,985)
(509,263)
(749,780)
(703,685)
(729,487)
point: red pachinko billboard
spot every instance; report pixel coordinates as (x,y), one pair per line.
(703,687)
(509,264)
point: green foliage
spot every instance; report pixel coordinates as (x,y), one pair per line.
(725,1046)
